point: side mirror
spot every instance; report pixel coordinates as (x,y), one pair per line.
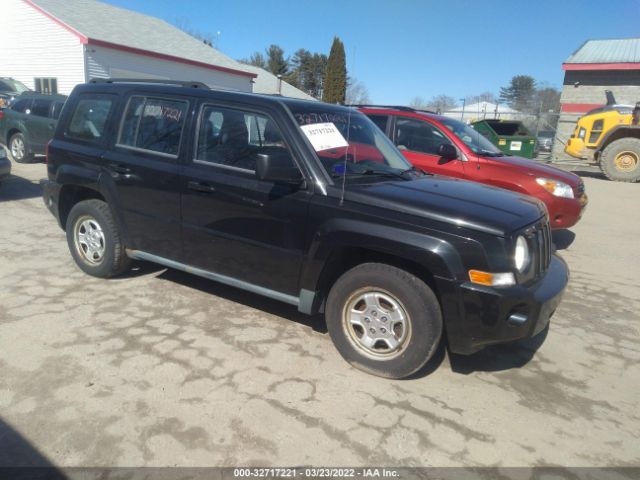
(278,168)
(447,151)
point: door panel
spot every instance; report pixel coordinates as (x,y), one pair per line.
(143,166)
(419,141)
(233,223)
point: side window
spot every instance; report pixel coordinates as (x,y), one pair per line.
(234,138)
(153,124)
(56,109)
(380,121)
(418,136)
(40,107)
(22,105)
(90,117)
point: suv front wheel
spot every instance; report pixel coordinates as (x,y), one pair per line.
(383,320)
(94,239)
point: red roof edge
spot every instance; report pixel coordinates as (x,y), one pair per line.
(86,40)
(601,66)
(164,56)
(83,39)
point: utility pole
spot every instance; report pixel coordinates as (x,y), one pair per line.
(464,102)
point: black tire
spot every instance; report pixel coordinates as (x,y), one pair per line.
(423,321)
(620,160)
(14,142)
(83,219)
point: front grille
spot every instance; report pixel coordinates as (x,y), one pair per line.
(540,246)
(543,233)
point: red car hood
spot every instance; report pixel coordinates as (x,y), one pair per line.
(538,169)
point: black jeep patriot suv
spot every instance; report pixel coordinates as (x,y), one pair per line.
(306,203)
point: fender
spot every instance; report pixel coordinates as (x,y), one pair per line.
(616,133)
(98,180)
(435,254)
(506,185)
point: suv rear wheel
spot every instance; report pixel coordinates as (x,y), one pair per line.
(94,240)
(18,149)
(383,320)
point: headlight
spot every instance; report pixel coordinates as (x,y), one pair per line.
(555,187)
(521,255)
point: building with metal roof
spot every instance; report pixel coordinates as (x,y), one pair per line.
(596,66)
(53,45)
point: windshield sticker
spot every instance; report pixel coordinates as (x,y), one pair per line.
(309,118)
(324,136)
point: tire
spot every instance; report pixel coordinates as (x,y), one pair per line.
(377,294)
(620,160)
(18,149)
(94,240)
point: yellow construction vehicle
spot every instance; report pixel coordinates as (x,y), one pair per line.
(610,137)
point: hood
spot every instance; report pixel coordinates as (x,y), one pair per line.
(456,202)
(537,169)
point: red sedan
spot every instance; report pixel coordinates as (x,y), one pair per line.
(446,146)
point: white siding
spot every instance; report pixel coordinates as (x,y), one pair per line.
(106,62)
(33,45)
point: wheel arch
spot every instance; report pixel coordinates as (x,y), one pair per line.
(617,133)
(70,195)
(423,256)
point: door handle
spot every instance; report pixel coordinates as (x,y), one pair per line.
(118,168)
(201,187)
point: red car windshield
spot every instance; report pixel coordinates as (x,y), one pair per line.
(471,138)
(359,148)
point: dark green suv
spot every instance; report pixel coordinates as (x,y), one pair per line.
(28,124)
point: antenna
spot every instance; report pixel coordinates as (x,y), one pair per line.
(478,140)
(346,152)
(346,155)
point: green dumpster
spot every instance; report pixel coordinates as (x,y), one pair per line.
(510,136)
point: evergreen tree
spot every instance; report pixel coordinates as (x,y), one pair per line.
(276,63)
(520,93)
(256,59)
(335,79)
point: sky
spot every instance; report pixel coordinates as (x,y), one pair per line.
(401,49)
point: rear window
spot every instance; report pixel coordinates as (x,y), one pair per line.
(57,108)
(40,107)
(22,105)
(90,116)
(153,124)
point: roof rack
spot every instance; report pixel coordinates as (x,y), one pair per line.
(181,83)
(395,107)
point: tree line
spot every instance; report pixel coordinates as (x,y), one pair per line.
(322,76)
(523,93)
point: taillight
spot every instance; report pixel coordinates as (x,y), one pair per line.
(1,114)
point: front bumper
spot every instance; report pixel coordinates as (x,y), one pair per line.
(50,196)
(566,212)
(476,316)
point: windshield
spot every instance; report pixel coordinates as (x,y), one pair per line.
(348,143)
(13,86)
(472,138)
